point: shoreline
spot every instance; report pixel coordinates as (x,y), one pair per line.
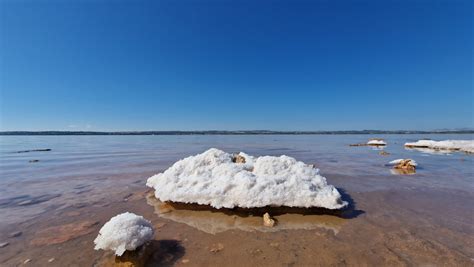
(212,132)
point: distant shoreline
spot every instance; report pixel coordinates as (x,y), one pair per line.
(250,132)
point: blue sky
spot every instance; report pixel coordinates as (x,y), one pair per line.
(197,65)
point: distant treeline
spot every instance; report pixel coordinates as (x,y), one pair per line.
(252,132)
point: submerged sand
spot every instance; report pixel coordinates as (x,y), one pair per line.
(405,226)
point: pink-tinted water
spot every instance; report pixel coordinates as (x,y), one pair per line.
(59,202)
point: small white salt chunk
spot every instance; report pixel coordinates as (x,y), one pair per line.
(376,142)
(126,231)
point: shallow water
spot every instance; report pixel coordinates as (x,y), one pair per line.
(401,219)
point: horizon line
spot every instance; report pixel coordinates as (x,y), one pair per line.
(234,132)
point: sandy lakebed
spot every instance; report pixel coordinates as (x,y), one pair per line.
(53,204)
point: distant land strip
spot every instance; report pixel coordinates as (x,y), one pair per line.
(218,132)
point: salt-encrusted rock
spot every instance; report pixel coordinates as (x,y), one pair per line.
(142,256)
(238,159)
(126,231)
(267,220)
(211,178)
(376,142)
(449,145)
(403,162)
(384,153)
(407,166)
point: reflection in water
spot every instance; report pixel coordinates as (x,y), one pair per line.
(431,151)
(377,147)
(402,172)
(215,221)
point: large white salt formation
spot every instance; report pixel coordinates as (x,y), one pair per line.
(216,178)
(453,145)
(126,231)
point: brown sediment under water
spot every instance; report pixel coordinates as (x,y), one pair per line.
(53,209)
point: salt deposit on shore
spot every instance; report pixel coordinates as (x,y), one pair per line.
(126,231)
(215,178)
(373,142)
(450,145)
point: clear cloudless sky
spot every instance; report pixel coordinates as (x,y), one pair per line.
(197,65)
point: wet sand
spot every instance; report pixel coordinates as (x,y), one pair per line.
(406,226)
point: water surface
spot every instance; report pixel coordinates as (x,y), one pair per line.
(84,180)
